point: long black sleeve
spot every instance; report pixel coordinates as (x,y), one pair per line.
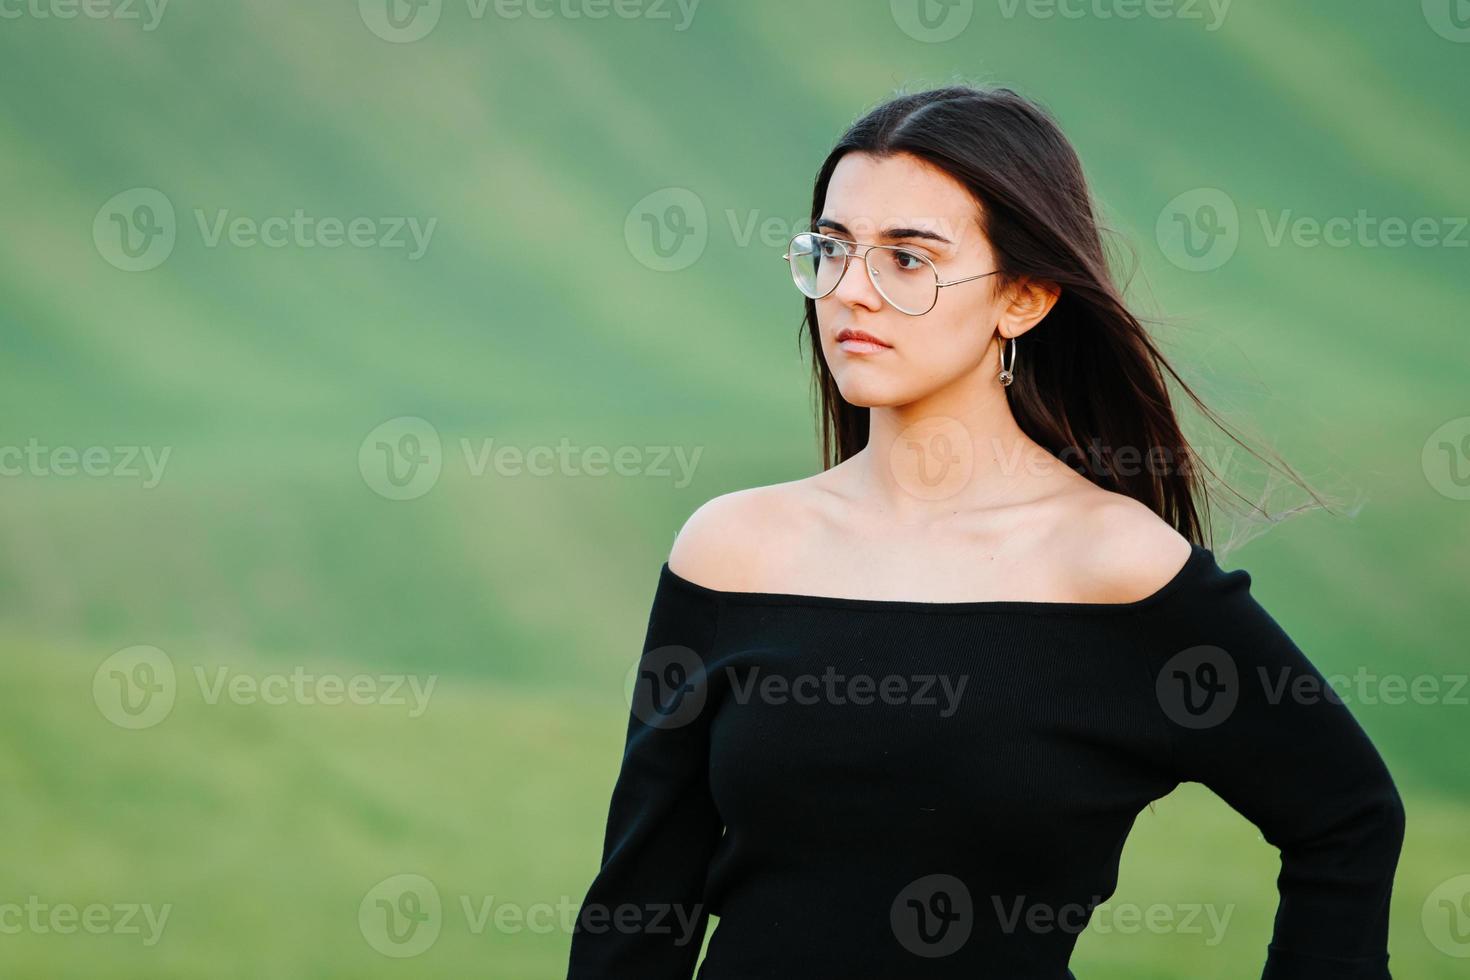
(644,916)
(1249,716)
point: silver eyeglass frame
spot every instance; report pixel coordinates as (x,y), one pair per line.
(849,252)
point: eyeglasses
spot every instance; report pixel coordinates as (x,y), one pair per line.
(907,280)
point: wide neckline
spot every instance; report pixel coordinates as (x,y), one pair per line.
(1199,556)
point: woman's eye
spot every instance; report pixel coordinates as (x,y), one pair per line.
(908,261)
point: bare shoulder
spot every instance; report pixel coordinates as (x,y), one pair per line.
(729,540)
(1125,551)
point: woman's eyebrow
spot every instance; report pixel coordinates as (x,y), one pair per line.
(890,233)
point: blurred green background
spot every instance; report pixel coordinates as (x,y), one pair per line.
(537,156)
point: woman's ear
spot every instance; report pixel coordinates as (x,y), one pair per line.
(1029,302)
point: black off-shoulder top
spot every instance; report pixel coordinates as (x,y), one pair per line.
(872,789)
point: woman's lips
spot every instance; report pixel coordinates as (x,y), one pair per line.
(858,342)
(862,347)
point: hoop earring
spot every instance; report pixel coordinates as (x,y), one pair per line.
(1007,371)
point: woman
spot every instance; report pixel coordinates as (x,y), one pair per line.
(895,720)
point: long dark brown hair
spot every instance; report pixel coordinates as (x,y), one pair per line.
(1090,382)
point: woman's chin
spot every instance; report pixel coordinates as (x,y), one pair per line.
(866,394)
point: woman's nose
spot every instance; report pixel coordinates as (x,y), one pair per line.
(855,288)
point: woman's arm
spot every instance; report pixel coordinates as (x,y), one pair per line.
(1249,716)
(644,917)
